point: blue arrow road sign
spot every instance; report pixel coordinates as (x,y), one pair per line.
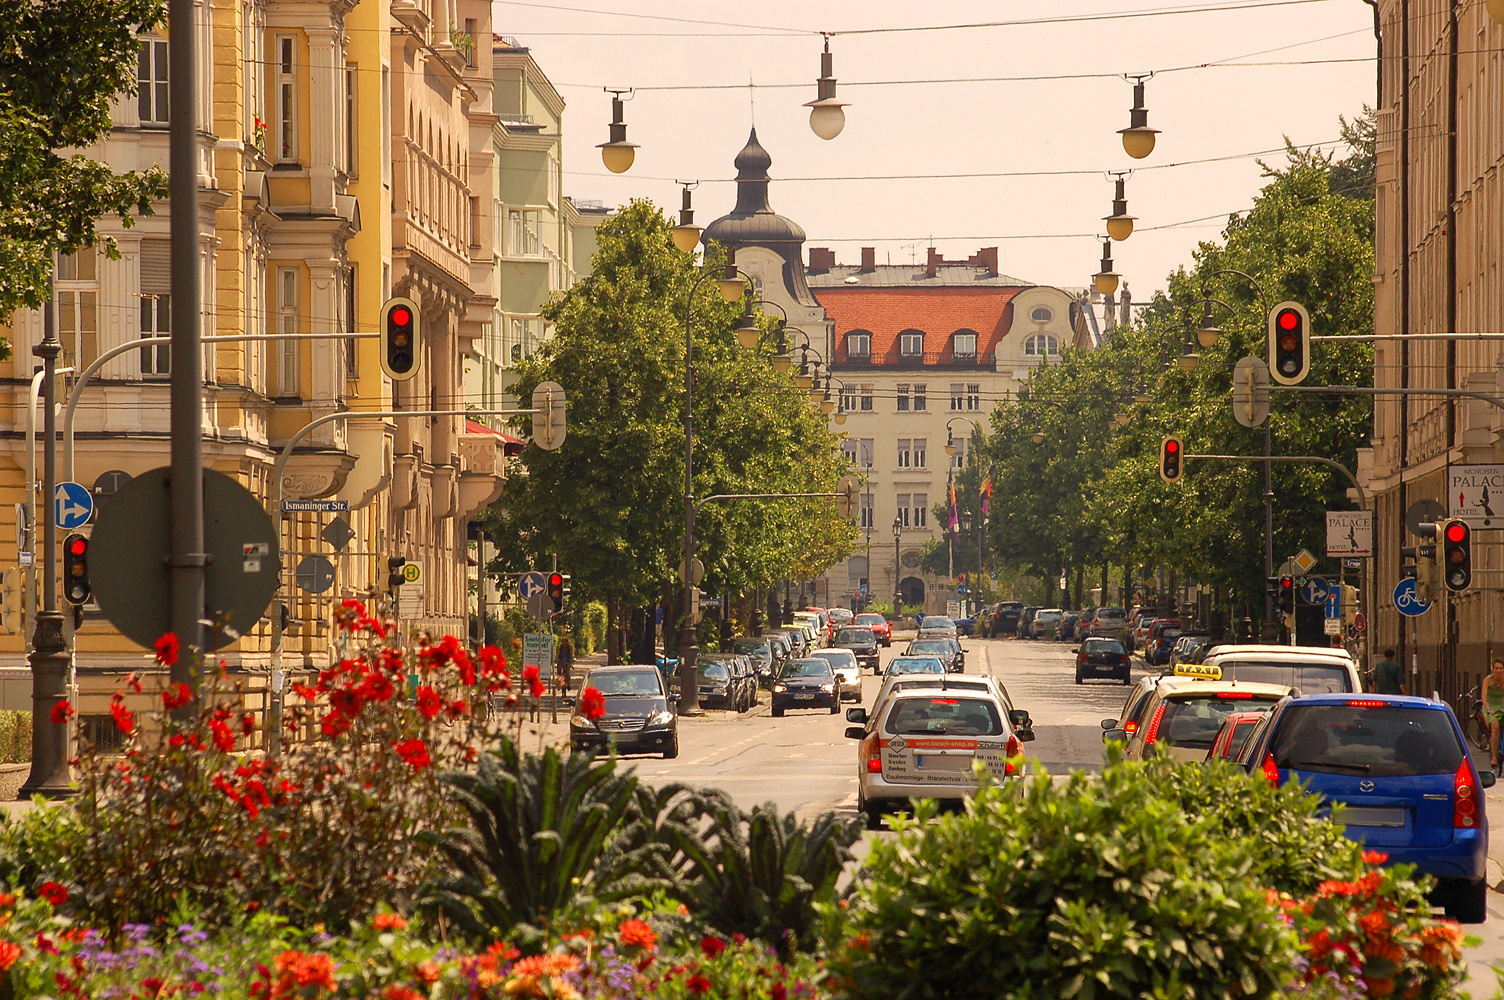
(530,585)
(1314,590)
(1334,603)
(72,505)
(1406,602)
(961,589)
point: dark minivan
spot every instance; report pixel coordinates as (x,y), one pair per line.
(637,719)
(862,642)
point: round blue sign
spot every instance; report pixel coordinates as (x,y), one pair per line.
(1407,601)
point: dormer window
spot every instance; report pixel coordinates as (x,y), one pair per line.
(1041,314)
(859,344)
(964,344)
(1040,345)
(911,343)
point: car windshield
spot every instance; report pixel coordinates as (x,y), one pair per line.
(838,658)
(870,620)
(860,636)
(1193,722)
(1376,740)
(1102,646)
(1109,613)
(1310,678)
(636,684)
(713,671)
(1047,616)
(756,649)
(807,668)
(945,716)
(937,621)
(915,665)
(929,646)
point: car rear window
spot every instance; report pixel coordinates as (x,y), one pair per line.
(1310,678)
(945,716)
(1102,646)
(858,635)
(871,620)
(1109,613)
(1193,722)
(713,671)
(915,665)
(837,658)
(1375,740)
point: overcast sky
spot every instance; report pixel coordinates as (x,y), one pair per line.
(905,133)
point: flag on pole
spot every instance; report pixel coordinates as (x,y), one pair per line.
(986,492)
(955,518)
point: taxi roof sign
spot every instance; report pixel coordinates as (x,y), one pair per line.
(1205,671)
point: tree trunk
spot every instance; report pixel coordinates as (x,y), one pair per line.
(1106,600)
(1080,584)
(615,628)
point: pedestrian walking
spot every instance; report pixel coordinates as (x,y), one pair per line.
(1389,676)
(1493,705)
(566,664)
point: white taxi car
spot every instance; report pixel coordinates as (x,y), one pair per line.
(922,743)
(1184,712)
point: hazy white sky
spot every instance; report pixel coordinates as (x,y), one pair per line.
(905,133)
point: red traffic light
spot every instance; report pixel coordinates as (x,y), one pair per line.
(1288,319)
(1286,582)
(1172,446)
(401,316)
(77,546)
(556,580)
(1456,532)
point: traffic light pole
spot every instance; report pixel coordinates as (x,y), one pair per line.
(274,705)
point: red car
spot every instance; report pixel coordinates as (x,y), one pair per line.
(1236,729)
(879,626)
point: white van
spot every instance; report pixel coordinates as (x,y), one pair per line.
(1307,669)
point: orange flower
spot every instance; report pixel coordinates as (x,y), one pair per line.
(552,964)
(388,922)
(1374,857)
(395,992)
(1380,987)
(9,952)
(428,972)
(635,933)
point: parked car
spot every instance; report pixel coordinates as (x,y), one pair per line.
(809,682)
(862,643)
(946,650)
(1026,621)
(1108,623)
(1234,734)
(638,718)
(1307,669)
(783,648)
(1065,630)
(746,676)
(1189,648)
(760,651)
(1005,618)
(937,625)
(1083,624)
(720,687)
(1043,625)
(879,625)
(797,638)
(1396,772)
(843,663)
(966,626)
(1096,657)
(922,743)
(1162,636)
(841,616)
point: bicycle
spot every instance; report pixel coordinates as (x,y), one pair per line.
(1474,719)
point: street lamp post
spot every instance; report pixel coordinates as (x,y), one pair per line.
(897,574)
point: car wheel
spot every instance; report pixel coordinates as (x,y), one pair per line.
(1078,677)
(835,706)
(673,749)
(1127,679)
(1467,902)
(777,712)
(874,818)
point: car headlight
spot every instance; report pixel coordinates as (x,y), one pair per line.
(827,687)
(780,688)
(661,718)
(580,722)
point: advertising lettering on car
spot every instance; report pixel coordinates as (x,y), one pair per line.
(933,760)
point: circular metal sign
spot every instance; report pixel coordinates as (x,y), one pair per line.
(314,574)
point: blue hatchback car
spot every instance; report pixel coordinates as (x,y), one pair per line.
(1398,776)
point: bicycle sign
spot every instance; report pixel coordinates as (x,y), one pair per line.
(1407,601)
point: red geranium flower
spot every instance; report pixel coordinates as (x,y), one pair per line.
(415,753)
(637,934)
(167,649)
(429,702)
(697,984)
(9,952)
(592,703)
(177,696)
(54,893)
(61,713)
(492,661)
(712,945)
(124,720)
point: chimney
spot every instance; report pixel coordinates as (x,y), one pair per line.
(934,262)
(987,259)
(869,259)
(821,259)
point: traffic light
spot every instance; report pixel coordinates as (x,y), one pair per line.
(1456,554)
(1170,455)
(394,565)
(556,590)
(1287,594)
(76,589)
(399,341)
(10,596)
(1289,343)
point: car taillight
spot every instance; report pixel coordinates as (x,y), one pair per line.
(1153,732)
(1235,694)
(1367,704)
(1130,727)
(1012,749)
(1271,770)
(1124,659)
(1465,797)
(874,756)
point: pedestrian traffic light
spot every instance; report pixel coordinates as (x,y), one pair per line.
(1457,554)
(399,344)
(76,589)
(394,566)
(1170,456)
(1289,343)
(1287,594)
(556,590)
(10,612)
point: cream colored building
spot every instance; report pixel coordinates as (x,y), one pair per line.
(1439,270)
(918,353)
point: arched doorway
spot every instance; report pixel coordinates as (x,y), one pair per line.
(911,588)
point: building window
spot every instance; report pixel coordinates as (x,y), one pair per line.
(351,74)
(957,396)
(918,450)
(905,452)
(973,396)
(287,353)
(151,82)
(867,398)
(848,398)
(352,346)
(78,307)
(921,510)
(470,42)
(964,344)
(1041,314)
(156,322)
(523,233)
(287,99)
(958,460)
(911,343)
(903,398)
(903,509)
(859,344)
(1040,345)
(474,222)
(919,397)
(849,452)
(867,510)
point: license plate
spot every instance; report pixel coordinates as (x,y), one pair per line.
(943,762)
(802,696)
(1369,816)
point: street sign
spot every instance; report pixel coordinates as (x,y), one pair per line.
(1331,626)
(26,558)
(1406,601)
(538,651)
(20,527)
(410,594)
(72,505)
(1304,561)
(1422,512)
(315,506)
(1250,391)
(337,533)
(1352,564)
(412,573)
(961,589)
(862,590)
(1360,622)
(699,572)
(1315,589)
(530,584)
(1334,603)
(1349,533)
(131,542)
(1475,493)
(314,574)
(107,485)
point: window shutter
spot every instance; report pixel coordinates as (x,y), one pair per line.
(156,267)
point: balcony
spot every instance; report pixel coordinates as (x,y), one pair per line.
(894,360)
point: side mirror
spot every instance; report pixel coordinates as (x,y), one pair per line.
(567,702)
(1024,735)
(1019,719)
(1115,736)
(856,715)
(1109,723)
(856,732)
(1487,778)
(1076,650)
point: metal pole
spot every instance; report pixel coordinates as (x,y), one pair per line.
(51,775)
(689,681)
(1268,531)
(186,497)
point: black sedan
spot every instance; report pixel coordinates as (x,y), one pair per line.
(637,718)
(809,683)
(1099,657)
(862,642)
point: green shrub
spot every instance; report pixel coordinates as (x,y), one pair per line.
(1081,889)
(15,737)
(35,844)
